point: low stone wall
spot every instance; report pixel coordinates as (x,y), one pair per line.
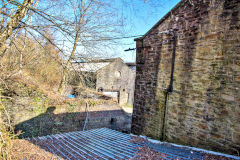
(70,118)
(36,114)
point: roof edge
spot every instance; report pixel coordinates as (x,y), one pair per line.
(162,19)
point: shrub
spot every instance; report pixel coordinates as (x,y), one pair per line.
(6,131)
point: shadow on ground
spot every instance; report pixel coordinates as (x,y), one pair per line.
(50,123)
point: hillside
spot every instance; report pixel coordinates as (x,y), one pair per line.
(30,108)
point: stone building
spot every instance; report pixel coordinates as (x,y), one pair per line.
(117,79)
(112,77)
(187,88)
(85,71)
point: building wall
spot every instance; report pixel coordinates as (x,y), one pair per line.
(204,108)
(117,76)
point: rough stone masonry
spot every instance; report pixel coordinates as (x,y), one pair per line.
(203,110)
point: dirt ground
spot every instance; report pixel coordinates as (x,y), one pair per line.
(25,150)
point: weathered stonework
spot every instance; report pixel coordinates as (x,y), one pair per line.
(117,76)
(72,118)
(204,108)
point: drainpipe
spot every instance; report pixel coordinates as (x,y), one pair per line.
(170,86)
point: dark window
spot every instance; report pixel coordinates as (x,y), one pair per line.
(100,89)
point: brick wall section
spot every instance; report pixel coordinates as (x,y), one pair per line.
(204,109)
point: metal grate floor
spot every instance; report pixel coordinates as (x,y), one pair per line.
(105,144)
(92,144)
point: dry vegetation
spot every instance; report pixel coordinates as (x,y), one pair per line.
(31,56)
(6,130)
(14,86)
(41,62)
(6,136)
(29,66)
(24,149)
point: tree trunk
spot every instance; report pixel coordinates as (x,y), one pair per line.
(14,23)
(63,84)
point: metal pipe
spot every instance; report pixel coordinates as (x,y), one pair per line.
(87,107)
(170,87)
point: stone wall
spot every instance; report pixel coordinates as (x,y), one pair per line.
(117,76)
(204,108)
(33,122)
(68,119)
(35,114)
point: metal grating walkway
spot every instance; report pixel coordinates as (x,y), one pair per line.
(105,144)
(92,144)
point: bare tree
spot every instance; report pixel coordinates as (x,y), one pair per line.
(88,26)
(11,14)
(94,25)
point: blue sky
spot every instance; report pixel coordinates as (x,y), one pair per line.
(138,16)
(141,16)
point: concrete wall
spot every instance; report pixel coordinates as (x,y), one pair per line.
(117,76)
(204,108)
